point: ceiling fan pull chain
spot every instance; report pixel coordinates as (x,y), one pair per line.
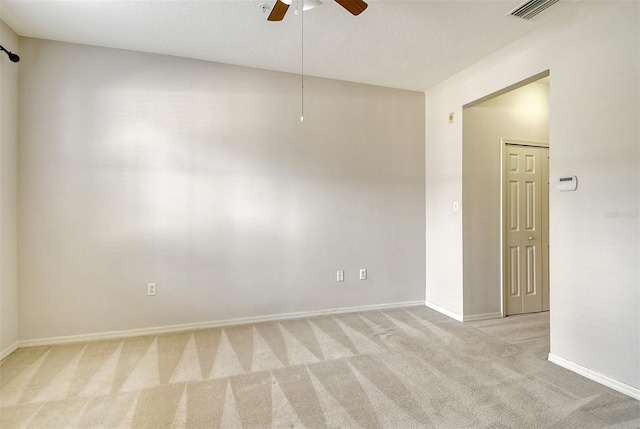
(301,61)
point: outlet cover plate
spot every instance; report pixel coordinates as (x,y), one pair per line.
(152,289)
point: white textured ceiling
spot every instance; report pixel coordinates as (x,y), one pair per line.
(394,43)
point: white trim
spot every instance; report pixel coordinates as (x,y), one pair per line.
(503,296)
(483,316)
(6,352)
(596,376)
(157,330)
(505,141)
(443,310)
(521,142)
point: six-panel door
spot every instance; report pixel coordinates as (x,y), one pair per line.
(525,235)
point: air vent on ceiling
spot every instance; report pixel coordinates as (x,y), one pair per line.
(531,8)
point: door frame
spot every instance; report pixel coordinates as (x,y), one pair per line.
(504,141)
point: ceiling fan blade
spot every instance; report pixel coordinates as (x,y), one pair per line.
(278,11)
(356,7)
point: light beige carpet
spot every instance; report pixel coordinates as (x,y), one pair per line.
(402,368)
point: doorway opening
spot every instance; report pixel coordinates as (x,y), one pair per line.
(518,115)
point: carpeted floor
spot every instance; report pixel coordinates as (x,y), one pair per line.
(401,368)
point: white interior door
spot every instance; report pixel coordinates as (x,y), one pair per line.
(526,223)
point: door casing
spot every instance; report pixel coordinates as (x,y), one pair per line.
(545,223)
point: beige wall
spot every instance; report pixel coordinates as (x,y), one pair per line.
(519,114)
(139,168)
(594,59)
(8,192)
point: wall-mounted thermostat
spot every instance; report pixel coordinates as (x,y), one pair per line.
(567,183)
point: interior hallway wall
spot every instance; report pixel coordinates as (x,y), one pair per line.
(139,168)
(594,59)
(520,114)
(8,192)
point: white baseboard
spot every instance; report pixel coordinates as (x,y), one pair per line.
(6,352)
(483,316)
(596,376)
(205,325)
(444,311)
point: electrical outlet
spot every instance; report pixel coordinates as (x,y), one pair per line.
(456,206)
(363,274)
(152,290)
(340,276)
